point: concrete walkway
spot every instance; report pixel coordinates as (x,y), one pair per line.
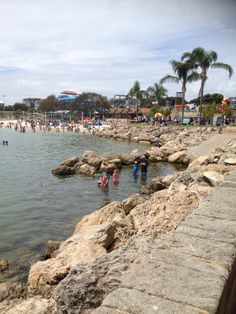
(218,140)
(191,271)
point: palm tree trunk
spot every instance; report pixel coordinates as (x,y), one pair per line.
(137,106)
(201,92)
(183,103)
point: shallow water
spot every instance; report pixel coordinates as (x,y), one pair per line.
(36,206)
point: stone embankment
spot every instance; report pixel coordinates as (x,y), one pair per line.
(169,250)
(171,145)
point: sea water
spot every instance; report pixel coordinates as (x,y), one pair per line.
(36,206)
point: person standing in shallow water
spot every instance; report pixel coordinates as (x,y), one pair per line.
(136,167)
(116,176)
(144,164)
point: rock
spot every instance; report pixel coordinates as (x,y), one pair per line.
(204,160)
(100,234)
(12,290)
(178,157)
(4,265)
(70,162)
(87,155)
(78,249)
(133,200)
(94,161)
(177,186)
(63,171)
(36,305)
(106,214)
(87,285)
(129,158)
(156,185)
(87,170)
(163,211)
(109,156)
(116,161)
(51,247)
(230,161)
(213,177)
(167,180)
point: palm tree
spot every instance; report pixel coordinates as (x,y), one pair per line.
(136,92)
(204,60)
(157,92)
(185,74)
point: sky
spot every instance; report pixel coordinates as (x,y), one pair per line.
(103,46)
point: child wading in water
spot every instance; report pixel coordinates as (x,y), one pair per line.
(116,176)
(104,179)
(136,167)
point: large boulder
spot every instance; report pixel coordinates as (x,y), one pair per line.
(36,305)
(230,161)
(133,200)
(87,170)
(105,214)
(81,248)
(70,162)
(63,170)
(213,177)
(129,158)
(163,211)
(181,157)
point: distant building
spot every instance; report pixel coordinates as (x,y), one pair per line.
(32,103)
(67,95)
(232,102)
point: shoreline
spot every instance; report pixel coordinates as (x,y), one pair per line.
(116,215)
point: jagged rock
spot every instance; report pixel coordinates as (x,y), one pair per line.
(88,285)
(81,248)
(163,211)
(70,162)
(87,170)
(36,305)
(51,247)
(110,156)
(213,177)
(63,171)
(230,161)
(167,180)
(178,157)
(87,155)
(156,185)
(12,290)
(4,264)
(106,214)
(133,200)
(129,158)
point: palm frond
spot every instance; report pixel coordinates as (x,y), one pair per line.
(193,77)
(186,55)
(169,78)
(224,66)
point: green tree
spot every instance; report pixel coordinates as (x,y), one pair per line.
(136,92)
(20,107)
(204,60)
(208,110)
(49,104)
(156,93)
(90,102)
(185,74)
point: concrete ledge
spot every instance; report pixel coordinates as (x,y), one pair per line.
(193,271)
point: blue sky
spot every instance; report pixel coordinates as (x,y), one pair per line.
(47,46)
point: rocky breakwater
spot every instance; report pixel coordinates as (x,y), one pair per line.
(187,136)
(109,243)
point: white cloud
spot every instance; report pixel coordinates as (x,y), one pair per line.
(47,46)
